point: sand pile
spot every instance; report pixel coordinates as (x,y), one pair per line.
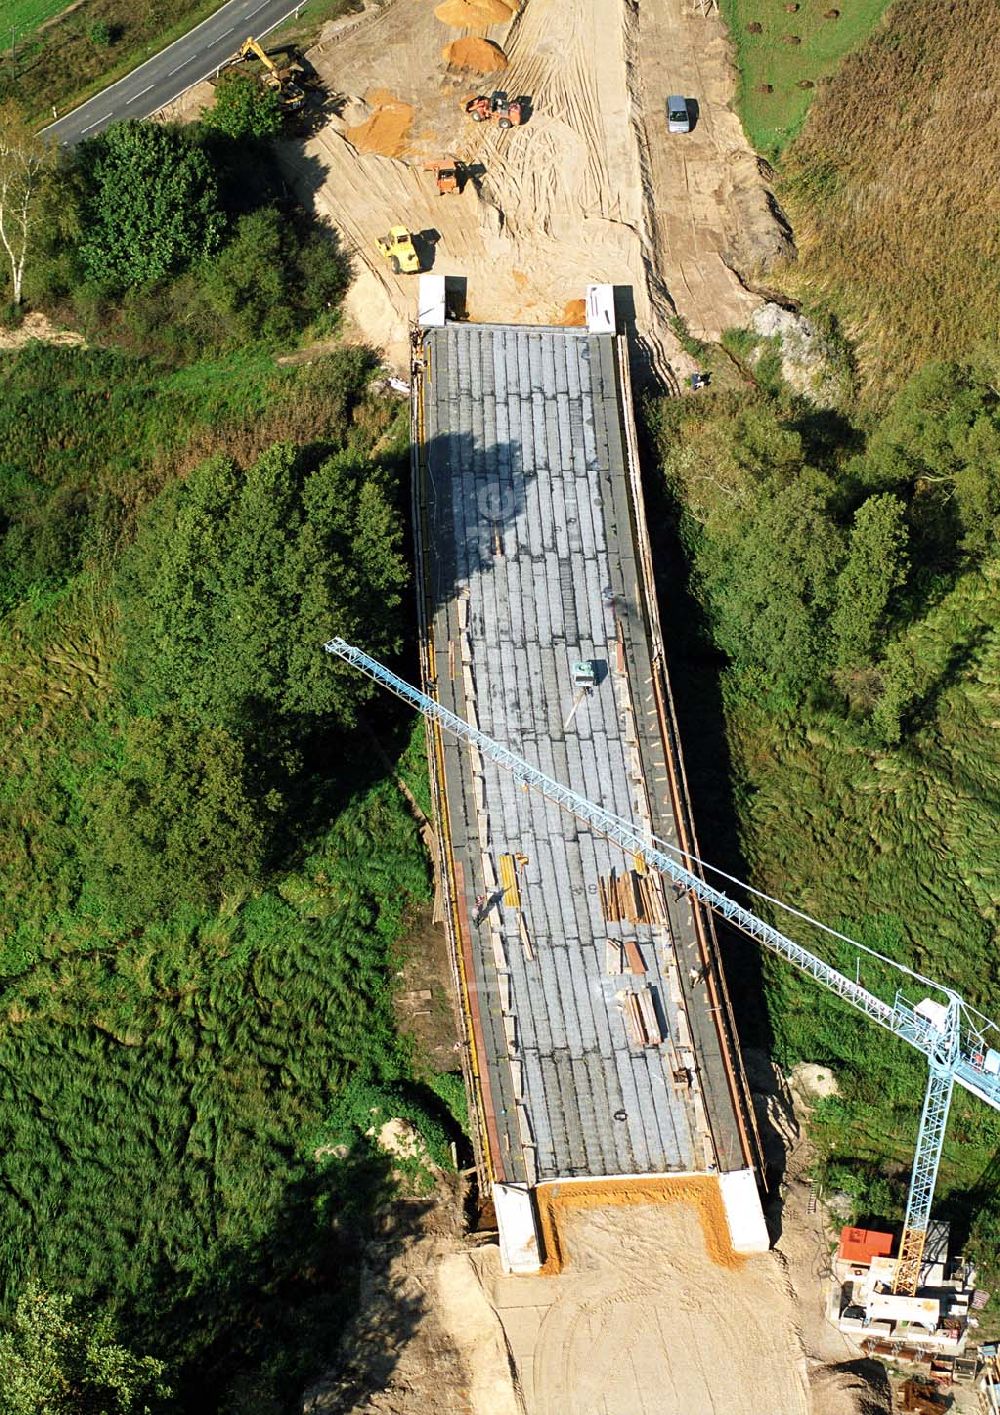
(574,312)
(474,14)
(385,131)
(558,1202)
(479,55)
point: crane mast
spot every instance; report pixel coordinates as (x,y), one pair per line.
(951,1035)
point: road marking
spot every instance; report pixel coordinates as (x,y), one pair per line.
(257,11)
(139,94)
(227,31)
(94,123)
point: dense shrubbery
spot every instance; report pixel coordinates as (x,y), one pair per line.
(204,871)
(849,575)
(177,242)
(812,563)
(54,1361)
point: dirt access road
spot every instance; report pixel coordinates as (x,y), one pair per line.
(590,189)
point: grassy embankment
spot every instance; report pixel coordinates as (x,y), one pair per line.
(207,870)
(865,776)
(773,69)
(169,1073)
(894,191)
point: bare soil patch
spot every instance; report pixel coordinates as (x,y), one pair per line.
(385,131)
(473,14)
(424,997)
(559,1203)
(37,326)
(590,189)
(641,1321)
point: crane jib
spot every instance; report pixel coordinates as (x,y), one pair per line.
(963,1057)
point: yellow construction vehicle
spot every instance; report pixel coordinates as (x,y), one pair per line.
(290,94)
(398,248)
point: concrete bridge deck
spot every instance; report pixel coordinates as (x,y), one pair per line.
(532,550)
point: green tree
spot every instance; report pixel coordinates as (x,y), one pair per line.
(244,108)
(876,566)
(770,589)
(271,278)
(150,204)
(23,161)
(940,443)
(236,580)
(57,1361)
(173,818)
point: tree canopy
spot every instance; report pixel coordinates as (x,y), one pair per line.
(876,566)
(237,578)
(149,206)
(55,1360)
(173,819)
(244,107)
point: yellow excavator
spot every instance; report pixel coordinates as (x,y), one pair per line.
(290,94)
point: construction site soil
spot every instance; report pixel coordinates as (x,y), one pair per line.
(477,55)
(590,188)
(558,1202)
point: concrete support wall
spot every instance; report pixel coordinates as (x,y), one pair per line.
(518,1228)
(744,1214)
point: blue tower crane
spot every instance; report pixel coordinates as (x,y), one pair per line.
(952,1035)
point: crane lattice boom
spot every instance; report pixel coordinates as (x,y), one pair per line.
(952,1036)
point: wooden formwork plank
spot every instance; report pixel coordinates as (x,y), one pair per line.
(633,1020)
(650,1024)
(508,879)
(633,956)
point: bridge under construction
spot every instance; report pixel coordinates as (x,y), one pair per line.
(599,1040)
(537,599)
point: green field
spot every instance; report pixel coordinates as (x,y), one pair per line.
(208,871)
(23,16)
(773,119)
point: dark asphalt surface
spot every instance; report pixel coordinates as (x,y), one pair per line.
(185,62)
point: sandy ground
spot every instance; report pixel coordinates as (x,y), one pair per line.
(37,326)
(590,189)
(642,1322)
(398,1356)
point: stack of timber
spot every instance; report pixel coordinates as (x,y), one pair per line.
(631,898)
(641,1020)
(623,956)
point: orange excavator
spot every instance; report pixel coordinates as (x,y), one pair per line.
(496,108)
(449,174)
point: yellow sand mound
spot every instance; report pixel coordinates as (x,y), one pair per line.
(574,312)
(385,131)
(700,1191)
(479,55)
(473,14)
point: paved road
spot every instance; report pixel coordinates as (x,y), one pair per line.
(183,63)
